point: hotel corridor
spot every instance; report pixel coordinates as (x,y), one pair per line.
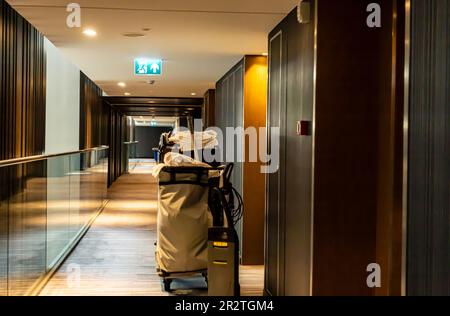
(200,151)
(117,255)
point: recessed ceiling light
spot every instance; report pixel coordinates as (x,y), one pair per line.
(127,94)
(265,54)
(193,94)
(122,84)
(90,32)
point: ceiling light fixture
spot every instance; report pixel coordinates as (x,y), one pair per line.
(193,94)
(265,54)
(127,94)
(122,84)
(90,32)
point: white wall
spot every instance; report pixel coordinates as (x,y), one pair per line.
(63,103)
(61,135)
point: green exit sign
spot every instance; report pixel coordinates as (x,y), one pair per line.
(147,67)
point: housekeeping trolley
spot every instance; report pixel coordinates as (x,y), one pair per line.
(183,221)
(196,204)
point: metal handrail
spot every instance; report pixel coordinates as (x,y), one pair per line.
(130,143)
(18,161)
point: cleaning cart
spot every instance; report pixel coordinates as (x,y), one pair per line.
(196,208)
(183,222)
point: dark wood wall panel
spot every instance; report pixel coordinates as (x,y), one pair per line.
(350,163)
(275,186)
(345,186)
(102,124)
(355,208)
(208,109)
(22,86)
(22,134)
(289,190)
(299,107)
(428,271)
(117,133)
(94,115)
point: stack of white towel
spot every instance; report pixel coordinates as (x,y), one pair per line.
(198,141)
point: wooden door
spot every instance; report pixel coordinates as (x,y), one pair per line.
(276,115)
(299,107)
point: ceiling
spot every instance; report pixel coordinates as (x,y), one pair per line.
(157,106)
(199,40)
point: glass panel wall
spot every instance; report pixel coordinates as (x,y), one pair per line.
(3,233)
(44,206)
(75,215)
(58,207)
(27,226)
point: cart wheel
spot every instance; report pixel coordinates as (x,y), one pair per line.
(167,283)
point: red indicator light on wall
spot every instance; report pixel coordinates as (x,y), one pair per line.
(303,128)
